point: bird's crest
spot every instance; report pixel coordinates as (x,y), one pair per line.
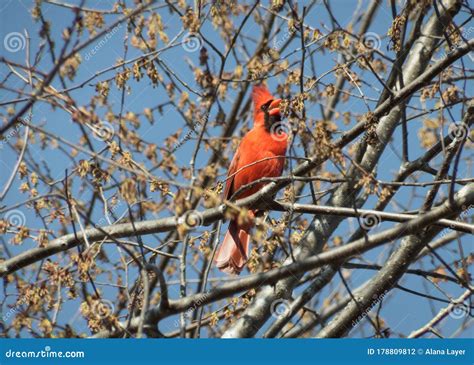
(260,96)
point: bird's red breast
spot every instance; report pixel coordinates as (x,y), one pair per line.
(261,152)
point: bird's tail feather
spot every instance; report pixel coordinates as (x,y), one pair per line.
(233,253)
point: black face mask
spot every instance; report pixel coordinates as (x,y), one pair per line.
(269,119)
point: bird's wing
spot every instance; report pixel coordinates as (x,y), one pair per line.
(229,186)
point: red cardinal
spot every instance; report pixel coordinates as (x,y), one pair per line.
(266,141)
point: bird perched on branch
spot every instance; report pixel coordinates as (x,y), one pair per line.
(261,154)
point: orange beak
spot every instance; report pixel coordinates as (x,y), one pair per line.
(274,108)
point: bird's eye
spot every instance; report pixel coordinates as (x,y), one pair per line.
(265,106)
